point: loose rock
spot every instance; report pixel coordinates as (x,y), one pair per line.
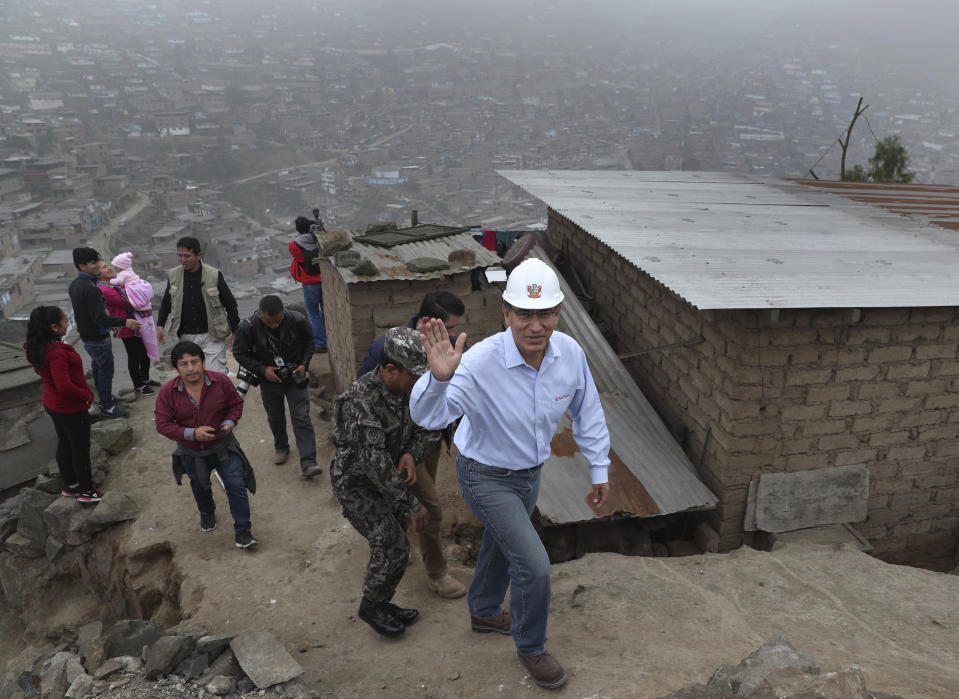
(264,659)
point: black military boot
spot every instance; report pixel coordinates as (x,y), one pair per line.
(407,616)
(383,621)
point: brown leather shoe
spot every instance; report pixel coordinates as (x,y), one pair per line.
(545,670)
(499,623)
(281,456)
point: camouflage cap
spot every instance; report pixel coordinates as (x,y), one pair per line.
(406,347)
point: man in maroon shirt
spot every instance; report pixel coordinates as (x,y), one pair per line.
(198,410)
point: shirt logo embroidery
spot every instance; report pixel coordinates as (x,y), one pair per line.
(559,398)
(534,291)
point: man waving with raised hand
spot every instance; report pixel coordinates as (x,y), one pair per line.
(511,390)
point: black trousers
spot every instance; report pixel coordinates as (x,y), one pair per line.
(73,448)
(138,362)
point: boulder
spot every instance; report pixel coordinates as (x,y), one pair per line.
(332,242)
(8,524)
(220,686)
(31,524)
(461,258)
(20,545)
(112,435)
(128,637)
(53,549)
(423,265)
(98,456)
(745,677)
(264,659)
(379,227)
(214,645)
(115,507)
(86,634)
(108,668)
(66,518)
(365,268)
(58,673)
(347,258)
(193,666)
(49,484)
(792,683)
(80,688)
(166,654)
(225,665)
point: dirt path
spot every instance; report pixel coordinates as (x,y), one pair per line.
(624,627)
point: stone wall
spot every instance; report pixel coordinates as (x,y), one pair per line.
(805,390)
(360,311)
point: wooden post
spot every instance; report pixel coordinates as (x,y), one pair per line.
(842,164)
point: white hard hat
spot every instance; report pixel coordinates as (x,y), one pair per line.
(533,285)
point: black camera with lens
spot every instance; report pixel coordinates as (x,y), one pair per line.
(287,375)
(247,378)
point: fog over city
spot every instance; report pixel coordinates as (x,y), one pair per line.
(130,123)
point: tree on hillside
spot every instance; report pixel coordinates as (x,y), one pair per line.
(889,161)
(887,164)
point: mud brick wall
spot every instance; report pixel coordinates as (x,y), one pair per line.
(360,311)
(809,389)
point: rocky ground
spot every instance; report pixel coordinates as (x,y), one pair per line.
(622,626)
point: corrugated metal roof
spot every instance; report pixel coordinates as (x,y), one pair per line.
(649,473)
(720,240)
(391,262)
(929,203)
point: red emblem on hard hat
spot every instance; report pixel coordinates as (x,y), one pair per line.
(534,291)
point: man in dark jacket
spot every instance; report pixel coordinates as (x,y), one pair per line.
(94,324)
(276,345)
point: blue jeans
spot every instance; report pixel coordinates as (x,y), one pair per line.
(511,554)
(313,298)
(101,361)
(232,475)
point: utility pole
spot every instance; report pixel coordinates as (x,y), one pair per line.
(842,164)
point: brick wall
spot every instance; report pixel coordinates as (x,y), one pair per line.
(809,389)
(360,311)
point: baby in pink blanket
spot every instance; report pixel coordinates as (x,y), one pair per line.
(138,291)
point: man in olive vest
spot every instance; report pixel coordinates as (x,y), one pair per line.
(198,305)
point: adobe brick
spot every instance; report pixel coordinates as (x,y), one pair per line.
(897,405)
(945,367)
(924,388)
(883,471)
(862,373)
(790,337)
(936,432)
(934,481)
(872,423)
(828,319)
(825,394)
(793,413)
(859,335)
(748,428)
(951,332)
(924,417)
(906,453)
(947,400)
(908,333)
(937,351)
(947,449)
(882,517)
(796,446)
(909,501)
(807,377)
(911,526)
(804,462)
(932,314)
(883,389)
(821,427)
(842,357)
(804,355)
(886,316)
(948,496)
(838,441)
(844,408)
(885,439)
(907,370)
(732,444)
(858,456)
(893,353)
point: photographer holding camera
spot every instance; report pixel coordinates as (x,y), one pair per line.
(274,347)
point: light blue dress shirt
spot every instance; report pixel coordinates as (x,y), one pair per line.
(510,410)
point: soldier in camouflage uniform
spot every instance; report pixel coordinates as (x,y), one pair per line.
(377,448)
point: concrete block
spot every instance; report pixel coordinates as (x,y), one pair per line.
(788,501)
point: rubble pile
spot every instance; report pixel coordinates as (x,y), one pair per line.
(776,670)
(135,658)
